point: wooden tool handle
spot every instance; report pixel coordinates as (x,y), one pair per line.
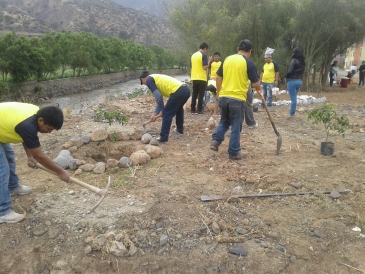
(270,118)
(145,123)
(76,181)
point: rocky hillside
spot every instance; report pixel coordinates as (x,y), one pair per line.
(155,7)
(101,17)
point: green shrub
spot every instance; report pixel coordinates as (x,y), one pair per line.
(327,115)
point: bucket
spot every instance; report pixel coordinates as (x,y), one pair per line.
(275,91)
(327,148)
(255,108)
(344,82)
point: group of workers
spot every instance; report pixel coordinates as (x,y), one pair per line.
(230,83)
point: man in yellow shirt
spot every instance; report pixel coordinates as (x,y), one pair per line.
(214,65)
(20,123)
(178,93)
(270,77)
(199,66)
(233,78)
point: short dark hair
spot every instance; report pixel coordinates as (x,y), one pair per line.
(245,45)
(52,116)
(203,46)
(217,53)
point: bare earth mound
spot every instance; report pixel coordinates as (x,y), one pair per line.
(157,212)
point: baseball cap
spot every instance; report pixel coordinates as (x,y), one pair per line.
(245,45)
(143,74)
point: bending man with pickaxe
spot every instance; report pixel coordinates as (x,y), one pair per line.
(178,93)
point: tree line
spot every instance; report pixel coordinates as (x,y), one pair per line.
(322,29)
(83,53)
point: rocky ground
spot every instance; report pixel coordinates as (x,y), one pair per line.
(153,220)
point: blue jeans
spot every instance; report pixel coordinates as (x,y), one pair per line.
(293,88)
(174,106)
(267,89)
(8,179)
(232,113)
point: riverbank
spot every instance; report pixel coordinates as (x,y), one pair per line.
(32,91)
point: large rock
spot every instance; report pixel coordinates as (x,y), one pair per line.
(125,162)
(146,138)
(87,167)
(153,151)
(99,167)
(77,141)
(99,135)
(63,159)
(111,163)
(139,157)
(118,249)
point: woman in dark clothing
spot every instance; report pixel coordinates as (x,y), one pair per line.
(294,77)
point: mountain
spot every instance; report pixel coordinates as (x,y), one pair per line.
(154,7)
(100,17)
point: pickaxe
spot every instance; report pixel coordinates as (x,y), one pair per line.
(145,123)
(225,197)
(101,192)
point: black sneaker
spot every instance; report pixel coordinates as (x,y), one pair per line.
(200,112)
(161,141)
(193,112)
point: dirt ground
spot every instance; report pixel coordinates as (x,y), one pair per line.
(287,234)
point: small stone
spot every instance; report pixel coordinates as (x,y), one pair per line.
(274,235)
(163,240)
(239,251)
(88,249)
(264,245)
(242,231)
(334,194)
(71,192)
(78,171)
(324,248)
(215,227)
(296,185)
(293,259)
(318,234)
(38,231)
(86,139)
(282,248)
(154,142)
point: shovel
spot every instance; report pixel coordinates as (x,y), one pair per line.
(279,140)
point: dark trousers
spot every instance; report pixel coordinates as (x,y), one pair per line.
(361,78)
(174,106)
(199,87)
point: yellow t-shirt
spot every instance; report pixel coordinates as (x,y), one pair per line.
(166,84)
(11,114)
(197,70)
(235,78)
(269,73)
(214,66)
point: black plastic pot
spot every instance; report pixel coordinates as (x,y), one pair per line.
(327,148)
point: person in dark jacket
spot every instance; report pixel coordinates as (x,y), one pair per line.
(294,78)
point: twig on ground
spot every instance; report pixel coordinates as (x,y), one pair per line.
(157,170)
(353,267)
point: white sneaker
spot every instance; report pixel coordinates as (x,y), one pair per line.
(175,130)
(21,190)
(12,217)
(254,126)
